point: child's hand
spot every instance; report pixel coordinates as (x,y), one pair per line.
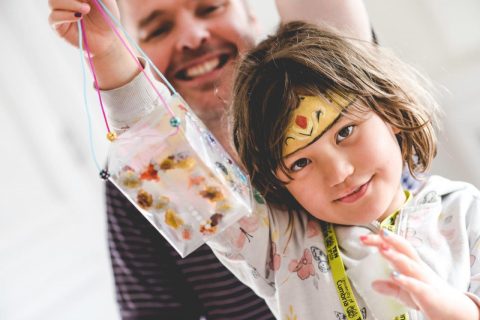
(415,284)
(65,14)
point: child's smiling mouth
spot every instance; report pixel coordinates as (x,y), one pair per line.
(355,194)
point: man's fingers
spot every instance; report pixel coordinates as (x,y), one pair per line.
(62,22)
(59,17)
(69,5)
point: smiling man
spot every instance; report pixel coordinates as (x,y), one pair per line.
(196,44)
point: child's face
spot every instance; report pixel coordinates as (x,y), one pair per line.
(351,174)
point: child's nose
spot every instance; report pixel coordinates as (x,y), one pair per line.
(339,168)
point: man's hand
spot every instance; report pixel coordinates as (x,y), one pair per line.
(113,64)
(65,14)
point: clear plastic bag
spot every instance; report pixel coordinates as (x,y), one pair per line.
(179,177)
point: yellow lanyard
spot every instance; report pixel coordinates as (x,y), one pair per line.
(342,284)
(389,222)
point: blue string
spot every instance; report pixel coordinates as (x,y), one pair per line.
(85,99)
(134,44)
(84,75)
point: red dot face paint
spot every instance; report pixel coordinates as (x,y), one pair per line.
(301,121)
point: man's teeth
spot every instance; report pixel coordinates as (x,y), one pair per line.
(203,68)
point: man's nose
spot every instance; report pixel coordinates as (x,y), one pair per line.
(192,34)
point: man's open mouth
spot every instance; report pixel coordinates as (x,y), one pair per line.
(203,68)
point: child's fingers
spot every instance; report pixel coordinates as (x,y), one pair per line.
(386,287)
(389,288)
(421,293)
(403,263)
(391,240)
(372,240)
(398,252)
(439,301)
(400,244)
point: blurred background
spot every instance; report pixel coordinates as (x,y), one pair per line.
(53,251)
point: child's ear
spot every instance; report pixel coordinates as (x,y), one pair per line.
(396,130)
(398,135)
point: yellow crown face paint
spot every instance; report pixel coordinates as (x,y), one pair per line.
(313,116)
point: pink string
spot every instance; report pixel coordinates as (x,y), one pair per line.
(140,67)
(97,88)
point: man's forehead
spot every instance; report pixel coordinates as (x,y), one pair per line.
(147,9)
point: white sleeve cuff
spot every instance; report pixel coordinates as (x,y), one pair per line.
(129,103)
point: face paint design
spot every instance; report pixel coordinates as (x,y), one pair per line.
(313,116)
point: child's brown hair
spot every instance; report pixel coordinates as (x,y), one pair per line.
(303,59)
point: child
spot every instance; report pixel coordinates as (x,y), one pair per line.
(324,126)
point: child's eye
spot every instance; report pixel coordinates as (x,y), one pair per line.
(344,133)
(300,164)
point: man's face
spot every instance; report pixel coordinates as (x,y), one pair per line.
(194,43)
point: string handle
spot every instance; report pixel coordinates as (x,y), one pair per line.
(83,44)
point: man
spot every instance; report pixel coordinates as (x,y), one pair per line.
(195,43)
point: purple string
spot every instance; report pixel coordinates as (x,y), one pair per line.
(140,67)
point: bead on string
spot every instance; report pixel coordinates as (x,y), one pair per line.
(175,122)
(111,136)
(104,174)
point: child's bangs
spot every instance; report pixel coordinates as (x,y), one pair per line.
(358,107)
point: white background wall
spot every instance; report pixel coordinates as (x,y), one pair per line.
(442,39)
(53,253)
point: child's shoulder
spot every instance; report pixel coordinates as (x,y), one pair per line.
(447,190)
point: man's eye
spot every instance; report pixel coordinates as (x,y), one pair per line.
(209,9)
(300,164)
(158,32)
(344,133)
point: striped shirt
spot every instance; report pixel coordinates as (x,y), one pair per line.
(153,282)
